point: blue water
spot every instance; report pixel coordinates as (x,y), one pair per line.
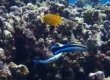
(104,1)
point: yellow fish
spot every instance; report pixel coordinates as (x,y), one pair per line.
(52,19)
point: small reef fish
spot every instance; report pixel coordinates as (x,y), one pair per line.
(50,60)
(85,0)
(52,19)
(58,52)
(68,48)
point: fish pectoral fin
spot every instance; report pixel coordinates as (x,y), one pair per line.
(57,14)
(55,24)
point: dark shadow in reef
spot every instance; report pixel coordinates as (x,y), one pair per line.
(20,54)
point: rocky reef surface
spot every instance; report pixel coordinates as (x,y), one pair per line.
(24,37)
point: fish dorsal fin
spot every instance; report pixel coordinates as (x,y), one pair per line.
(69,44)
(57,14)
(72,45)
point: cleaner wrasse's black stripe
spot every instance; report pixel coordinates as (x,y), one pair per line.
(55,48)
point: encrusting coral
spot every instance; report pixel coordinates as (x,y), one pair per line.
(19,71)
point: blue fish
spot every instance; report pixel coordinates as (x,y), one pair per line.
(50,60)
(57,50)
(68,48)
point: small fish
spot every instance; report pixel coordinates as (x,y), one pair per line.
(85,0)
(50,60)
(52,19)
(68,48)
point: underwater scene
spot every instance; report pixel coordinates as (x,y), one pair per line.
(54,39)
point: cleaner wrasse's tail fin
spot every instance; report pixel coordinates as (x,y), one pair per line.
(36,61)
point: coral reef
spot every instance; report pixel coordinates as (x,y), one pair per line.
(5,73)
(25,37)
(20,72)
(95,2)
